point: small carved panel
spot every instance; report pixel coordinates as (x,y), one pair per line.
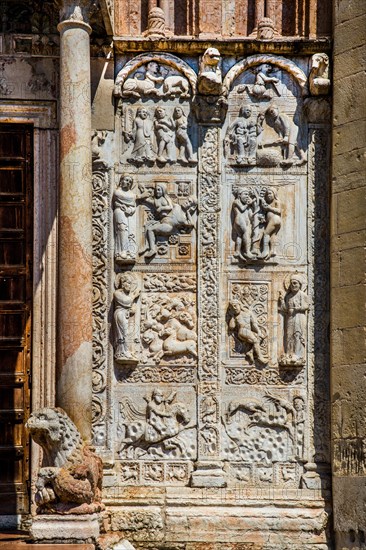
(156,424)
(247,321)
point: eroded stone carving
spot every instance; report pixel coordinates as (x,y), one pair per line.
(70,479)
(210,77)
(168,217)
(161,430)
(247,318)
(266,430)
(244,325)
(319,82)
(169,327)
(294,306)
(124,210)
(256,222)
(155,80)
(141,135)
(242,136)
(288,140)
(161,136)
(265,86)
(125,297)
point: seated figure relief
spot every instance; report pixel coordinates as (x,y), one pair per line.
(265,86)
(168,217)
(256,222)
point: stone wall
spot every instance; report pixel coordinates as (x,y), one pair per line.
(348,291)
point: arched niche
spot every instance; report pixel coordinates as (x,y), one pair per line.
(173,62)
(280,62)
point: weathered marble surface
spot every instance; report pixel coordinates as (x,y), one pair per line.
(211,261)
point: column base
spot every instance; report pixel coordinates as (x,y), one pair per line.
(208,474)
(68,529)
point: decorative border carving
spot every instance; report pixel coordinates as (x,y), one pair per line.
(101,185)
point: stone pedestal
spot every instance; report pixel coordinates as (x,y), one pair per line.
(68,529)
(74,344)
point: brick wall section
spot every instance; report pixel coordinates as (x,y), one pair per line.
(348,289)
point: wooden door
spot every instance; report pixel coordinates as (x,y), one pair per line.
(16,241)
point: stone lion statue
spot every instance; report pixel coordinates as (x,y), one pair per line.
(70,479)
(210,77)
(319,82)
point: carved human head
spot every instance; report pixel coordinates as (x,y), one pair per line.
(126,182)
(178,112)
(158,396)
(160,112)
(295,283)
(272,112)
(142,112)
(125,281)
(299,404)
(270,195)
(319,61)
(160,189)
(152,67)
(245,111)
(235,306)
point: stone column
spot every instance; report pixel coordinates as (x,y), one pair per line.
(348,289)
(74,317)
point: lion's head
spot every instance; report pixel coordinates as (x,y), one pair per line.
(53,430)
(211,59)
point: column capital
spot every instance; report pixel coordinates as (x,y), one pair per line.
(75,13)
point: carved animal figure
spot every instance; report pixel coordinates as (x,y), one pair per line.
(319,82)
(70,479)
(158,426)
(174,85)
(210,78)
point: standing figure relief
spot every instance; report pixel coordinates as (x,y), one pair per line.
(294,306)
(125,298)
(124,217)
(160,136)
(256,222)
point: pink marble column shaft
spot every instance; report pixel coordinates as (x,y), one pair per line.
(74,315)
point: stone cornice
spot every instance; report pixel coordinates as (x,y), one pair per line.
(244,46)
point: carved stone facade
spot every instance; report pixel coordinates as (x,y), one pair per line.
(214,370)
(193,206)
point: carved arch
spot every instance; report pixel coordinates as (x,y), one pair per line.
(253,60)
(164,58)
